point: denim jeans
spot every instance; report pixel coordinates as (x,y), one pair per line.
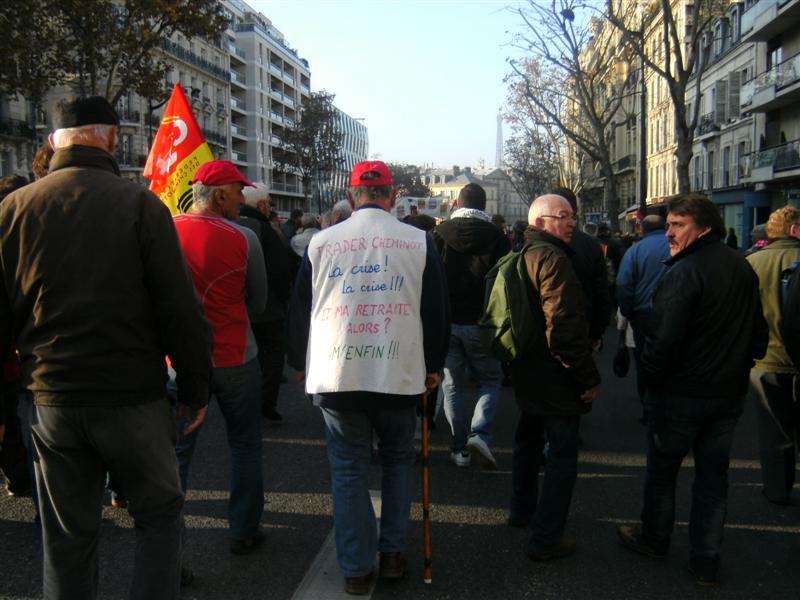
(238,392)
(349,437)
(468,354)
(75,445)
(548,512)
(676,425)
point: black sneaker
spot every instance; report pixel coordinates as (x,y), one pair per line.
(704,569)
(566,547)
(358,586)
(631,537)
(247,545)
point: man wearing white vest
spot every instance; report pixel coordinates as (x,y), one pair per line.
(368,329)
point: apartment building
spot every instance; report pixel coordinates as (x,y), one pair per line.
(724,138)
(354,149)
(772,97)
(501,197)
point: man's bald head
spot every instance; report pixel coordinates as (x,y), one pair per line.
(553,214)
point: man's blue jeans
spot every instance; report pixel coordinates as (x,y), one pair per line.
(238,392)
(349,437)
(675,425)
(468,354)
(548,512)
(75,446)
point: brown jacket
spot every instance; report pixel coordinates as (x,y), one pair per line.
(557,366)
(94,289)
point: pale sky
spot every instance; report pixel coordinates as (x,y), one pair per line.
(425,75)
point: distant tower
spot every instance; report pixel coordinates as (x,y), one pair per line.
(498,153)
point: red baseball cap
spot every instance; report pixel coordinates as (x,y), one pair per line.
(370,172)
(219,172)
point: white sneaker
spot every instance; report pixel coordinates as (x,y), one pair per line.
(483,456)
(461,459)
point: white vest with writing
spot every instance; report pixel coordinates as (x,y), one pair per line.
(366,331)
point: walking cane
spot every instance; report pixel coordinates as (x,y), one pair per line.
(426,490)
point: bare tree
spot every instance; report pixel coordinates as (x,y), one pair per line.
(531,162)
(666,35)
(570,79)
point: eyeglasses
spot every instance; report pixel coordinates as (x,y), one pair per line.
(559,217)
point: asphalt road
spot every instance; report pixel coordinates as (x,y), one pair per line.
(475,555)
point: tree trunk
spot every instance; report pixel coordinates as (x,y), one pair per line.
(610,198)
(683,154)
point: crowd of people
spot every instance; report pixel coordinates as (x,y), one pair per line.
(121,323)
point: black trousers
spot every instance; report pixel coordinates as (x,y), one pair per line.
(778,429)
(13,455)
(271,340)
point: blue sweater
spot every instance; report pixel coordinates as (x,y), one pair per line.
(640,271)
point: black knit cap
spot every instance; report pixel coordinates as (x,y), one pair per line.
(94,110)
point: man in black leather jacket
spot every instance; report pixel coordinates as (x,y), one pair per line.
(707,328)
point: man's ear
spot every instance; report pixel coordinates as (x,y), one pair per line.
(393,198)
(351,200)
(704,232)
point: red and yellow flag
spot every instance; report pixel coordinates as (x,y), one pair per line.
(179,148)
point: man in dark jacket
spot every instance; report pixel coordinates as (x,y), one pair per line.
(590,267)
(555,381)
(268,327)
(707,327)
(470,245)
(96,293)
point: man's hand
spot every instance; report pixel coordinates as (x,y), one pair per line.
(299,376)
(596,345)
(194,418)
(2,432)
(432,380)
(590,394)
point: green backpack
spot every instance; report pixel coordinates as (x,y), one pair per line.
(507,324)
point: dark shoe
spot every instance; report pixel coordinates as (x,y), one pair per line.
(393,565)
(187,576)
(631,537)
(565,547)
(358,586)
(271,414)
(518,521)
(785,501)
(247,545)
(705,569)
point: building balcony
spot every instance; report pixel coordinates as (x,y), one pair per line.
(778,162)
(774,88)
(236,53)
(707,127)
(212,137)
(128,117)
(238,104)
(625,164)
(189,57)
(239,157)
(238,79)
(275,140)
(768,18)
(15,128)
(275,117)
(238,131)
(289,188)
(275,69)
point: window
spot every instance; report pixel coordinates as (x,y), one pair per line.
(726,166)
(710,171)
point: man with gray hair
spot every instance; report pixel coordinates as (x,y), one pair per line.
(341,211)
(268,326)
(227,266)
(95,293)
(555,381)
(309,228)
